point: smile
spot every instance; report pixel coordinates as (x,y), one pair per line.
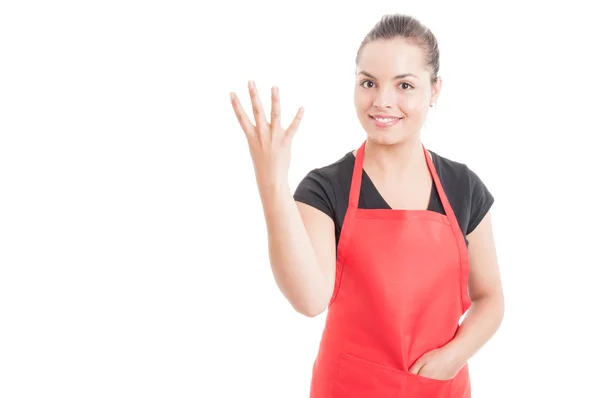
(383,122)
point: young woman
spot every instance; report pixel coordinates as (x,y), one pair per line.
(393,240)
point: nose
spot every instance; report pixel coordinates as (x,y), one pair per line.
(385,98)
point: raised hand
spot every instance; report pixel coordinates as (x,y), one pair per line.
(269,143)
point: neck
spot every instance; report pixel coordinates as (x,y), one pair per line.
(394,160)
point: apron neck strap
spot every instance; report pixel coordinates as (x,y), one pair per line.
(357,177)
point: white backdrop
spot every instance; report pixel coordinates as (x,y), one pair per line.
(133,257)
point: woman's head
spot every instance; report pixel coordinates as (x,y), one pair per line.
(397,68)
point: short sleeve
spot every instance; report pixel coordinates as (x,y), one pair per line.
(481,201)
(316,190)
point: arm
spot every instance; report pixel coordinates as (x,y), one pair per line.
(301,243)
(303,273)
(487,311)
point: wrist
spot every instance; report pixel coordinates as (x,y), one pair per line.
(455,354)
(272,191)
(269,186)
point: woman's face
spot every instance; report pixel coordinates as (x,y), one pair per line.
(392,81)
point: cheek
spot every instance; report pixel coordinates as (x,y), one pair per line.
(412,104)
(362,101)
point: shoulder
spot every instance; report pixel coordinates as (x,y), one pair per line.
(339,168)
(449,167)
(466,191)
(321,187)
(455,173)
(332,173)
(455,176)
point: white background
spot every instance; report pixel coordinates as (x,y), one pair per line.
(133,257)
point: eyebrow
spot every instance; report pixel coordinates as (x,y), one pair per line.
(401,76)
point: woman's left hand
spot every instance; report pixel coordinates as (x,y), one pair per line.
(440,364)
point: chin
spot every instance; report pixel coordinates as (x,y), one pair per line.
(391,137)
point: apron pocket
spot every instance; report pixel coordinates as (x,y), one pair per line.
(359,378)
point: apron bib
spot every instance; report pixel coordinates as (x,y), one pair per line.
(400,291)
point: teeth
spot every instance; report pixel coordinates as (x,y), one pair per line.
(385,120)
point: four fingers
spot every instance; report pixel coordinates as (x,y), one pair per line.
(259,116)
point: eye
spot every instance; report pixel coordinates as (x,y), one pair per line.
(367,81)
(403,85)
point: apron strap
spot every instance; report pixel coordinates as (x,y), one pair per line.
(438,185)
(357,177)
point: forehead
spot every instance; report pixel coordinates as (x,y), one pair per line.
(386,58)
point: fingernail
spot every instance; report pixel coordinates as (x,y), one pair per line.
(232,96)
(251,84)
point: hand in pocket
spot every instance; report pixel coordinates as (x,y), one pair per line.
(439,364)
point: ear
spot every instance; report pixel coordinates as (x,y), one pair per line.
(435,89)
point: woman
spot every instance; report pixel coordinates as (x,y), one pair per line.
(393,240)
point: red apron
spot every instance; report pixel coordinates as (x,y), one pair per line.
(400,290)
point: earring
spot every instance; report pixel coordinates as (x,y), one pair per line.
(431,105)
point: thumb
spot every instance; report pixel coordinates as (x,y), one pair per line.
(416,367)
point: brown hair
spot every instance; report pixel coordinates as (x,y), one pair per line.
(392,26)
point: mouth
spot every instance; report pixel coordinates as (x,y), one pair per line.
(385,121)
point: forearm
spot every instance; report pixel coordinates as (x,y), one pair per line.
(480,323)
(293,261)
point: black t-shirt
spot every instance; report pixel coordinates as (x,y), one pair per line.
(328,189)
